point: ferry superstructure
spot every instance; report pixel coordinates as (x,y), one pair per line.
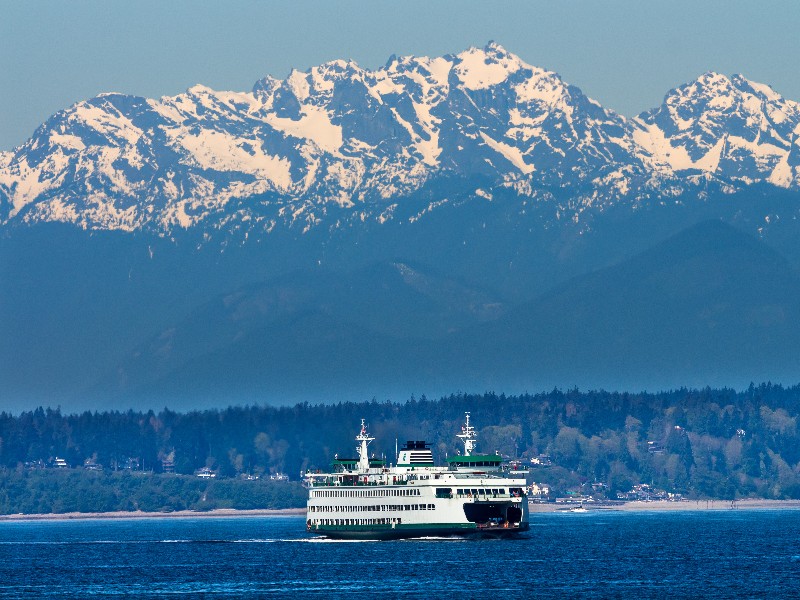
(364,499)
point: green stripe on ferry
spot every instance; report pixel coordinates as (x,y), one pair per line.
(476,458)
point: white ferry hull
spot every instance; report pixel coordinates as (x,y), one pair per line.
(471,506)
(472,497)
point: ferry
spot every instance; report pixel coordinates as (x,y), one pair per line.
(363,498)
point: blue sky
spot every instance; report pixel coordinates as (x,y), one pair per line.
(624,53)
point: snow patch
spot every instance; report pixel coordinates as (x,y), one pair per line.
(542,86)
(221,151)
(652,138)
(71,142)
(710,162)
(298,83)
(782,175)
(440,68)
(512,154)
(314,125)
(764,90)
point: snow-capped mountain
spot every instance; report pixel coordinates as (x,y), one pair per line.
(339,142)
(729,127)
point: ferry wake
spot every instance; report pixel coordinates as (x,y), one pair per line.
(362,498)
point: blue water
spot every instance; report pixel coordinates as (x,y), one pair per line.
(726,554)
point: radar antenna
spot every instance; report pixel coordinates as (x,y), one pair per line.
(468,436)
(364,439)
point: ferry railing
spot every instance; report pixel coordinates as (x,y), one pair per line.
(356,483)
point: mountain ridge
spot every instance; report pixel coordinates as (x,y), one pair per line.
(340,144)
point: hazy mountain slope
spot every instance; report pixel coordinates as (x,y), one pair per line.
(388,301)
(708,305)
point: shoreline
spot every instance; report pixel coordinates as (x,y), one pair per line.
(178,514)
(668,506)
(631,506)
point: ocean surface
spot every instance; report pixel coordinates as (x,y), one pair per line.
(719,554)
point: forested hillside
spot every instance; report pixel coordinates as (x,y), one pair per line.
(701,443)
(65,491)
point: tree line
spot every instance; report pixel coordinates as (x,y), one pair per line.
(65,491)
(718,443)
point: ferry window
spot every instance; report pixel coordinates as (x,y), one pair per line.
(474,492)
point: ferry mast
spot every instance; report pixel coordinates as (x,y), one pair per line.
(363,457)
(468,436)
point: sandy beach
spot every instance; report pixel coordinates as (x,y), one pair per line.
(221,512)
(637,506)
(664,505)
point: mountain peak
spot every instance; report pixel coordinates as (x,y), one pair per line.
(727,126)
(199,89)
(713,77)
(481,68)
(337,66)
